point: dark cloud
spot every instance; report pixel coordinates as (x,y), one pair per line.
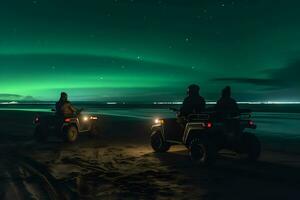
(2,96)
(15,97)
(284,78)
(254,81)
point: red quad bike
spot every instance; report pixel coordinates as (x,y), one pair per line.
(204,136)
(67,128)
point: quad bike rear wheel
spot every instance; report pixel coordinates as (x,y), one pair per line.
(202,151)
(70,134)
(40,134)
(158,143)
(252,146)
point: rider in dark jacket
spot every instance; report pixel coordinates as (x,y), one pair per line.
(226,106)
(193,103)
(64,108)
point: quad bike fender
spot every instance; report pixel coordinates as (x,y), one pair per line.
(67,125)
(192,130)
(156,128)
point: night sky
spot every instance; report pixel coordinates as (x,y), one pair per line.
(149,50)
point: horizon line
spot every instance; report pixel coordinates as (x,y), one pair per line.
(152,102)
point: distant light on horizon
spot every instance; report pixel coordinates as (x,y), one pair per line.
(172,103)
(154,103)
(111,103)
(240,102)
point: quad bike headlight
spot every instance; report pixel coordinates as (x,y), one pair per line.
(87,118)
(36,120)
(158,121)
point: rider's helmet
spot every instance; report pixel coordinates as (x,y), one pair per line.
(193,90)
(63,96)
(226,92)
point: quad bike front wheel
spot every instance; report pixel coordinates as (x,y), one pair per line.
(252,146)
(202,151)
(94,131)
(40,134)
(157,142)
(70,134)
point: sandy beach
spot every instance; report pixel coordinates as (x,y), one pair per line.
(120,164)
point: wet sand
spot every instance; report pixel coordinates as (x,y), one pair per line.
(119,164)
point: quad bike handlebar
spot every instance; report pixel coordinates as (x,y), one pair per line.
(174,110)
(79,111)
(243,114)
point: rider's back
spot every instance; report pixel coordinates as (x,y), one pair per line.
(192,105)
(227,107)
(64,108)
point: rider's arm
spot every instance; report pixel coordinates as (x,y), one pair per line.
(203,105)
(182,111)
(71,107)
(235,108)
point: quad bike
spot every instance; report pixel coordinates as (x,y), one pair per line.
(68,128)
(204,136)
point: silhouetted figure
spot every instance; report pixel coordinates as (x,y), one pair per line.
(226,106)
(63,107)
(193,103)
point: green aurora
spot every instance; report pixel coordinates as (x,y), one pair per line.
(140,50)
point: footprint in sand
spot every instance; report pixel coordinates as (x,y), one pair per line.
(114,149)
(130,146)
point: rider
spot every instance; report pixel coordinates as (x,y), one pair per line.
(64,108)
(226,106)
(193,103)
